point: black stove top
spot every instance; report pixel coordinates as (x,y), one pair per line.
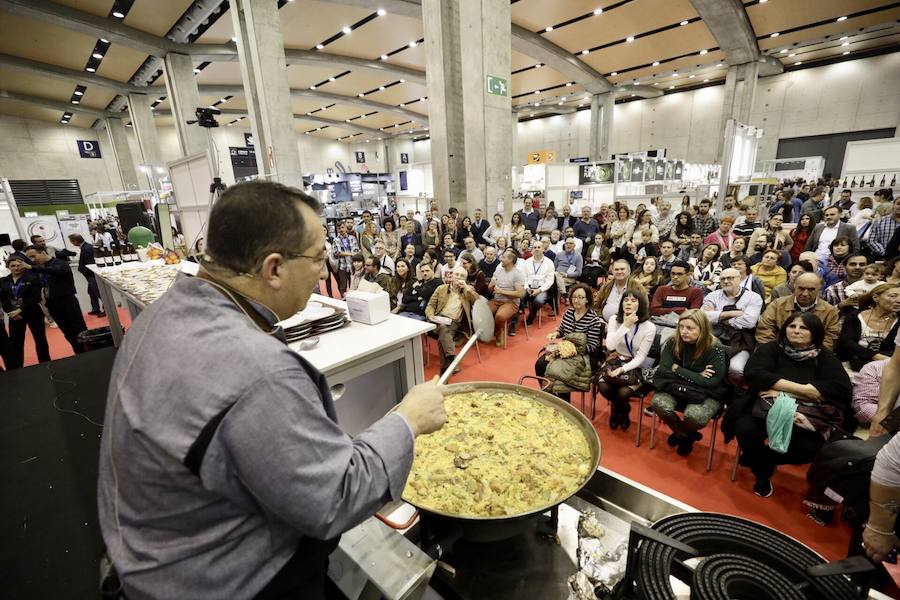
(738,559)
(529,564)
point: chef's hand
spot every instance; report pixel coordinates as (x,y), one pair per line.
(423,407)
(877,545)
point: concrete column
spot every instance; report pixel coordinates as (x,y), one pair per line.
(748,91)
(471,140)
(602,106)
(145,129)
(594,129)
(388,159)
(728,106)
(606,124)
(118,139)
(264,75)
(183,95)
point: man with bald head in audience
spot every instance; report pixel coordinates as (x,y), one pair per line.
(805,298)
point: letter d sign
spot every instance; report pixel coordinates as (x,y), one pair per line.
(88,149)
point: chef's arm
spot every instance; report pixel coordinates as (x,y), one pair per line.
(301,467)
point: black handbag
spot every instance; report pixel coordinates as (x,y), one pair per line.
(628,378)
(683,391)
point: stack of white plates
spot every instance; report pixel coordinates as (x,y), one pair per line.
(315,319)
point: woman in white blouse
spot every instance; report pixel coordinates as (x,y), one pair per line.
(622,229)
(496,231)
(628,338)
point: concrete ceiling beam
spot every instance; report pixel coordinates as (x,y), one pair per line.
(523,40)
(25,65)
(729,24)
(643,91)
(91,25)
(56,105)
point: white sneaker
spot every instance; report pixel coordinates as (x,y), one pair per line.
(54,325)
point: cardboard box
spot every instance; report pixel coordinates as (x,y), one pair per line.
(367,307)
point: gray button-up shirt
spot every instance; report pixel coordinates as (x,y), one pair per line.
(277,468)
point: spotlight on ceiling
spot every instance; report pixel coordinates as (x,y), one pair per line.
(598,11)
(683,23)
(119,14)
(629,39)
(381,12)
(346,31)
(320,46)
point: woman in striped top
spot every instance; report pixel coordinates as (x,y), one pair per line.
(630,335)
(579,317)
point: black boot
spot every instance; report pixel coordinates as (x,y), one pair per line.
(624,420)
(613,417)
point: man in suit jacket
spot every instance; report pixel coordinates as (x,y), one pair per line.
(567,219)
(479,226)
(824,233)
(85,258)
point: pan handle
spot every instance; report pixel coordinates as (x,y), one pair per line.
(394,525)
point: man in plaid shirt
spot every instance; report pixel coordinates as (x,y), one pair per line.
(704,222)
(344,247)
(882,230)
(854,267)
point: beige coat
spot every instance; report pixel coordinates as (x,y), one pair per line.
(778,311)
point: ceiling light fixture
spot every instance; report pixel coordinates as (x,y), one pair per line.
(413,44)
(381,87)
(655,63)
(381,12)
(706,81)
(538,66)
(90,69)
(845,53)
(569,84)
(346,30)
(656,83)
(308,114)
(774,35)
(614,73)
(629,39)
(845,44)
(691,76)
(233,38)
(75,102)
(763,1)
(196,71)
(549,28)
(683,23)
(402,81)
(537,91)
(222,100)
(798,63)
(422,99)
(846,37)
(792,55)
(97,55)
(671,87)
(585,51)
(718,64)
(320,46)
(312,87)
(703,52)
(783,51)
(403,105)
(839,19)
(331,79)
(384,57)
(104,41)
(119,15)
(598,11)
(79,93)
(361,95)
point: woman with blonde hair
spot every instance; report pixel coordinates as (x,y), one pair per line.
(691,378)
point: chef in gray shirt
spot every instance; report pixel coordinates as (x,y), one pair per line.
(223,471)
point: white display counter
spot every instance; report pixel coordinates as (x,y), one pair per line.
(369,367)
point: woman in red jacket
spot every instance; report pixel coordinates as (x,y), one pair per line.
(800,234)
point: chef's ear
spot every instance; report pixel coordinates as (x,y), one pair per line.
(272,270)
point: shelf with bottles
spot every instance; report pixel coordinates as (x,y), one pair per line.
(869,181)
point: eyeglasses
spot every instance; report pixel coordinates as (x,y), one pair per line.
(317,259)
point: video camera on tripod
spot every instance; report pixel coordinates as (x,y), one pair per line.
(206,117)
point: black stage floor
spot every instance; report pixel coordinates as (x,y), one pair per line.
(51,541)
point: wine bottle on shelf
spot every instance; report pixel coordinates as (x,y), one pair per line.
(894,180)
(845,181)
(132,254)
(853,183)
(883,179)
(99,257)
(872,181)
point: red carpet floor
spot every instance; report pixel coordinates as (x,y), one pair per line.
(660,468)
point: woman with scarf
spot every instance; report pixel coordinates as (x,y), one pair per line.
(798,365)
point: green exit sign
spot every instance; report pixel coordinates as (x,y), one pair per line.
(497,86)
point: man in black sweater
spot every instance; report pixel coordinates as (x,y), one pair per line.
(61,300)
